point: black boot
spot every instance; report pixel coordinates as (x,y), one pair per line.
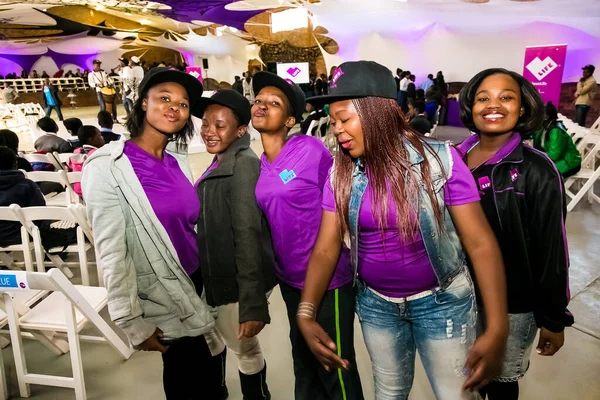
(254,387)
(219,364)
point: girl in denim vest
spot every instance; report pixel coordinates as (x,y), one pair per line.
(405,203)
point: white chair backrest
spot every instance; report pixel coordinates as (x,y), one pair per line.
(596,126)
(74,177)
(46,176)
(40,158)
(79,214)
(8,214)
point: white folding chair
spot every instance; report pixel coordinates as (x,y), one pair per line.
(67,309)
(312,126)
(26,245)
(32,214)
(43,158)
(79,213)
(57,199)
(322,121)
(62,159)
(596,126)
(588,175)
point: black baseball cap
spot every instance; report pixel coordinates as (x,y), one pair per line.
(590,68)
(162,74)
(294,94)
(228,98)
(356,79)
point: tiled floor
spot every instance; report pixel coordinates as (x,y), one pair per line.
(572,374)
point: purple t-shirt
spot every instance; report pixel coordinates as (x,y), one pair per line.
(290,192)
(173,199)
(388,264)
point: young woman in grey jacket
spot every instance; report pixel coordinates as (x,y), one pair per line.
(143,210)
(236,253)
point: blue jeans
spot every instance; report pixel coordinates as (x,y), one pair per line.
(440,325)
(101,101)
(127,104)
(58,112)
(581,112)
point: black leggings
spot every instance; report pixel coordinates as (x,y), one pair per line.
(501,391)
(188,372)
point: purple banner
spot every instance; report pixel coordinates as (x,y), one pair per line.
(195,72)
(26,61)
(544,69)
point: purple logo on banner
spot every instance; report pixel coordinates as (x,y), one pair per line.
(293,71)
(544,69)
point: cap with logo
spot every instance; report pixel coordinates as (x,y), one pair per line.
(161,75)
(590,68)
(228,98)
(294,94)
(356,79)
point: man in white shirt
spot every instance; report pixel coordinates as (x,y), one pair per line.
(99,79)
(403,90)
(247,87)
(137,74)
(124,72)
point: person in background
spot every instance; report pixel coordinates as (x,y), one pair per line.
(554,140)
(34,74)
(69,74)
(59,73)
(98,79)
(418,119)
(10,139)
(51,99)
(86,74)
(236,256)
(523,199)
(9,93)
(72,125)
(24,74)
(106,125)
(404,81)
(294,171)
(50,142)
(247,86)
(411,90)
(78,73)
(45,75)
(143,209)
(398,78)
(15,188)
(134,81)
(414,289)
(442,88)
(584,96)
(125,74)
(238,85)
(314,114)
(321,85)
(91,140)
(420,95)
(427,83)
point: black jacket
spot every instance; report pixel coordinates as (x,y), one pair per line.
(234,240)
(54,93)
(522,196)
(16,189)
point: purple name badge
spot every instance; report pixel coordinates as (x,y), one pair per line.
(514,175)
(484,183)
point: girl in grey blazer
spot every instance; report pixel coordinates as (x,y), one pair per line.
(143,210)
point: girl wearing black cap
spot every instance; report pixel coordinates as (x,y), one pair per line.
(407,205)
(236,254)
(522,196)
(292,175)
(143,209)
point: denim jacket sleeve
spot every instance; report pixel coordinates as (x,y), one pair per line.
(107,221)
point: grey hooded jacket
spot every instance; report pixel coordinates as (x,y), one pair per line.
(147,286)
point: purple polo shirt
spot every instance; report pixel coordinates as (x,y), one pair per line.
(389,264)
(173,199)
(290,192)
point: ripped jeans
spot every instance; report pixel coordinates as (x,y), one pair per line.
(440,325)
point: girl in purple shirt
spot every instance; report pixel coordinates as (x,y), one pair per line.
(146,238)
(405,203)
(293,173)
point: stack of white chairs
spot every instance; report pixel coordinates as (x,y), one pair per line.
(63,310)
(583,182)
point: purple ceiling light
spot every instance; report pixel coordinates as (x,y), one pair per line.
(207,10)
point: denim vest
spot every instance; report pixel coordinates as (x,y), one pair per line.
(443,247)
